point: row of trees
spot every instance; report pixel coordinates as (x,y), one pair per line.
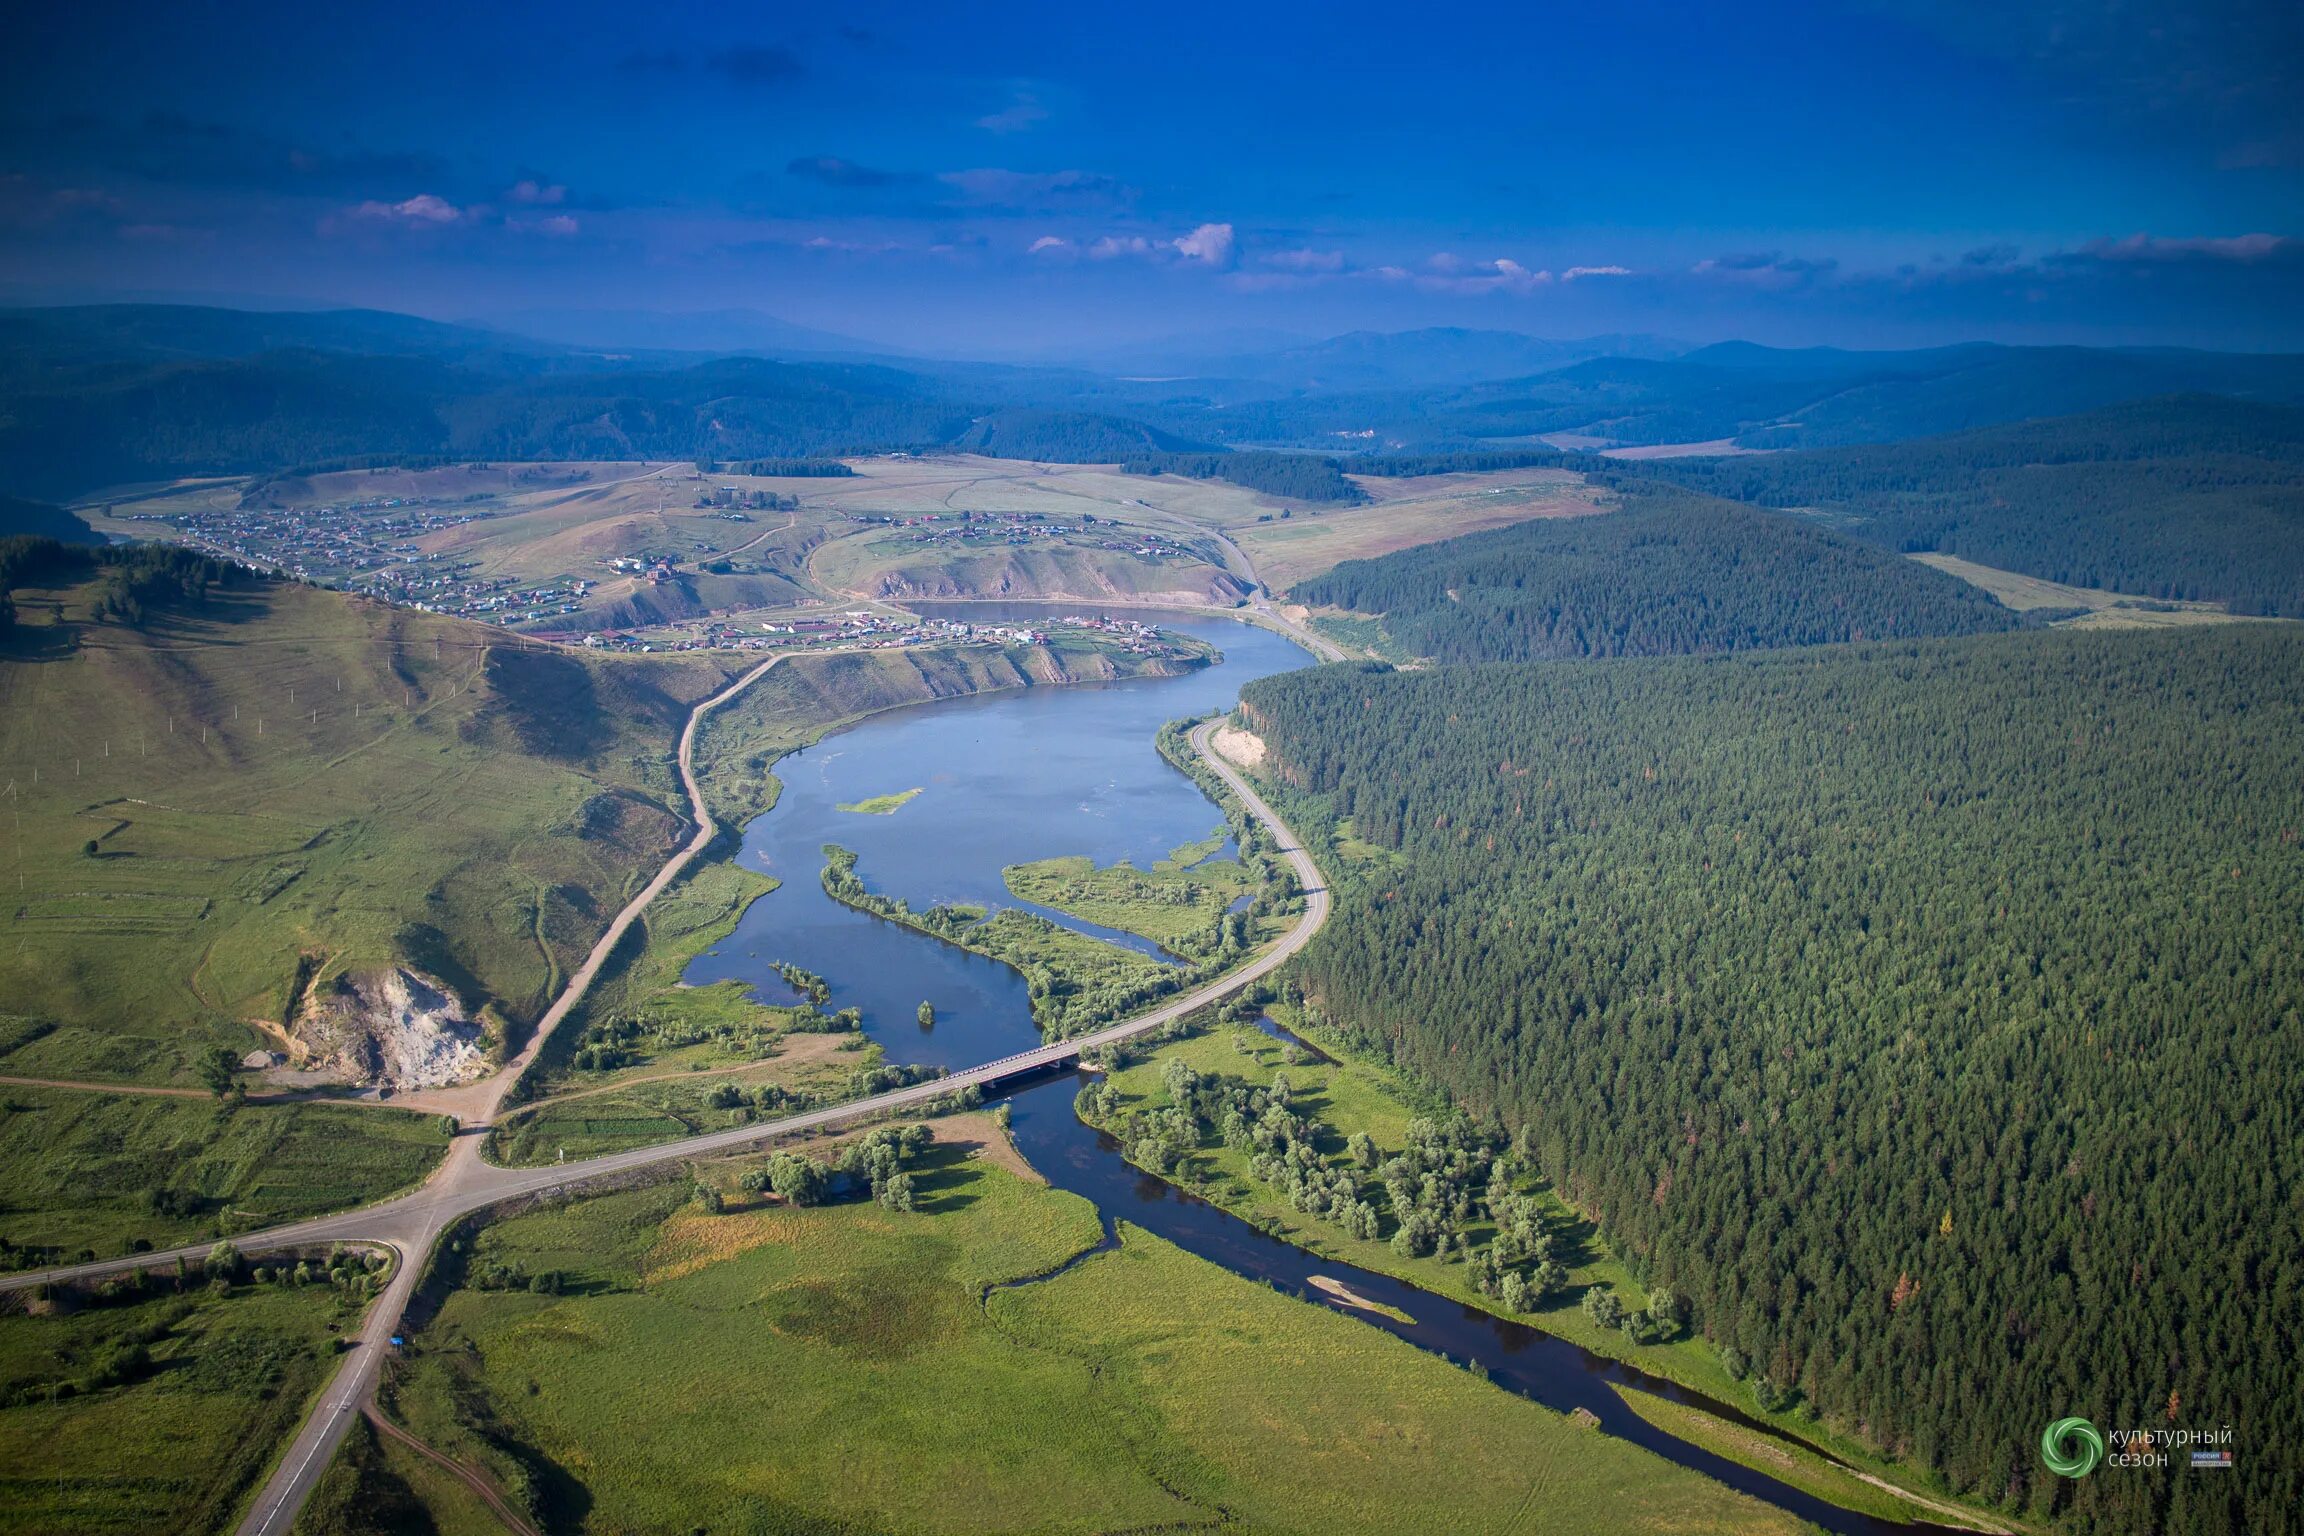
(1298,476)
(1929,1015)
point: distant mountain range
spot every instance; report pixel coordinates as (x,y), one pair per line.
(716,330)
(1360,360)
(103,395)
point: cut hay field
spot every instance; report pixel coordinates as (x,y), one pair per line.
(2105,610)
(157,1416)
(849,1367)
(284,784)
(82,1170)
(1403,514)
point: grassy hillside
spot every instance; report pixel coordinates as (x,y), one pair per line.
(1670,573)
(1909,1008)
(1082,564)
(801,1369)
(265,789)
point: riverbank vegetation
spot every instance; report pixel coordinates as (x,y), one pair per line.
(89,1174)
(1190,903)
(1075,982)
(158,1411)
(1876,932)
(770,1362)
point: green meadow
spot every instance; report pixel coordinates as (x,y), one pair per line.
(853,1368)
(84,1170)
(159,1415)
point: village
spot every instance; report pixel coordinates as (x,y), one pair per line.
(869,629)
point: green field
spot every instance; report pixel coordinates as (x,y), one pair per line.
(285,784)
(378,1487)
(89,1170)
(207,1388)
(1793,1464)
(845,1368)
(1177,903)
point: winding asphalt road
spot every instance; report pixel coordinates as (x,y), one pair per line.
(465,1183)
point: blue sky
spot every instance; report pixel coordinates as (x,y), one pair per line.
(1032,179)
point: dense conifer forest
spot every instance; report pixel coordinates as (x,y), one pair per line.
(1672,573)
(1929,1014)
(2196,497)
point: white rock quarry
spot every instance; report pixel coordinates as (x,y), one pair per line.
(395,1028)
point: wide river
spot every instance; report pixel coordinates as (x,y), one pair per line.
(1010,777)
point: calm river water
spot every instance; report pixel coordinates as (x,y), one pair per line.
(1011,777)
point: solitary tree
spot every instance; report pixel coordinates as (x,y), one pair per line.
(927,1013)
(216,1066)
(222,1263)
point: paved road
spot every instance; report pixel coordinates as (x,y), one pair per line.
(464,1183)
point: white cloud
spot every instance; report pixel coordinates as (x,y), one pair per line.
(559,226)
(1305,261)
(1120,245)
(1050,243)
(1211,243)
(1574,273)
(419,210)
(537,193)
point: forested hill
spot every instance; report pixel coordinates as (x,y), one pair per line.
(1671,573)
(37,519)
(2197,497)
(1931,1014)
(1068,437)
